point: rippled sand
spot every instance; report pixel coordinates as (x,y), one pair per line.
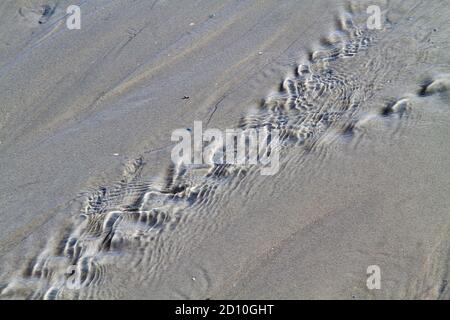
(93,207)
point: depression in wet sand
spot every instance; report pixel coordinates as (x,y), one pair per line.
(224,150)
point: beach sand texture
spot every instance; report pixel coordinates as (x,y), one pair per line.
(92,207)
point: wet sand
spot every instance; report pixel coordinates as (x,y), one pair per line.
(92,206)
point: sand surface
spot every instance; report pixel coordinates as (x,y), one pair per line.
(92,207)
